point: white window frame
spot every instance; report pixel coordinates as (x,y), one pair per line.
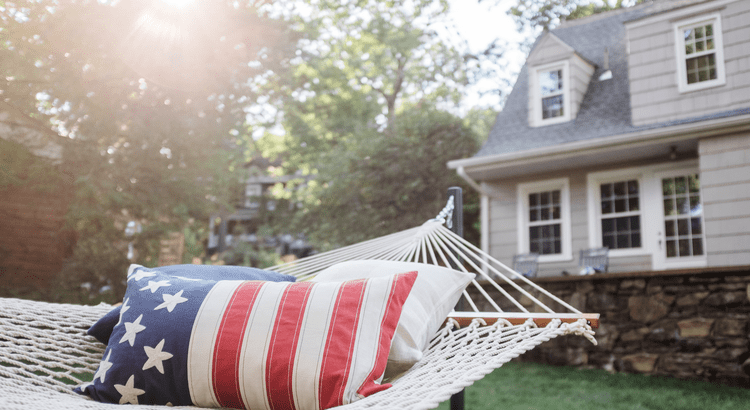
(678,28)
(593,184)
(536,93)
(523,191)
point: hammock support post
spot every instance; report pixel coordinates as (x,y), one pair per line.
(457,227)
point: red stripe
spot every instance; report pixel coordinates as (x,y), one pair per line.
(226,363)
(283,348)
(400,289)
(339,349)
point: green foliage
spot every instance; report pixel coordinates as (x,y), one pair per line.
(152,103)
(20,168)
(535,386)
(366,129)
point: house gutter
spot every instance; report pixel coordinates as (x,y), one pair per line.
(667,134)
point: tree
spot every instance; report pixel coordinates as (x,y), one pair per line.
(365,121)
(150,100)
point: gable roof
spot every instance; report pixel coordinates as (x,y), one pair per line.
(605,109)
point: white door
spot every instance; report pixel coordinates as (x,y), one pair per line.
(681,235)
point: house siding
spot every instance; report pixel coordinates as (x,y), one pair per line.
(653,70)
(725,186)
(580,76)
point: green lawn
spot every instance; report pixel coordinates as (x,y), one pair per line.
(530,386)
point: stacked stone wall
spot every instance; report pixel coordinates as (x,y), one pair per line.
(689,325)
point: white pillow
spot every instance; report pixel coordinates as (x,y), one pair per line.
(435,293)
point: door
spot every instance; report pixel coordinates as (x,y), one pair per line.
(681,235)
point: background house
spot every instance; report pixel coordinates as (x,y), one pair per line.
(629,129)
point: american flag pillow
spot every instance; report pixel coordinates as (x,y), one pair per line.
(250,344)
(102,329)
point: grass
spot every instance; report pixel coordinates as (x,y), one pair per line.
(530,386)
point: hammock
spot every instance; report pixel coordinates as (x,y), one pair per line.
(44,349)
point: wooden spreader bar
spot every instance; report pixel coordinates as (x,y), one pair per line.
(541,319)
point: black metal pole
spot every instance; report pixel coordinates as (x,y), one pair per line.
(457,226)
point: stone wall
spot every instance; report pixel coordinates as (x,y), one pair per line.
(690,324)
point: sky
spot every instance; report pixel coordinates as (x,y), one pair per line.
(480,24)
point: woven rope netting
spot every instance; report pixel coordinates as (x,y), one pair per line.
(44,349)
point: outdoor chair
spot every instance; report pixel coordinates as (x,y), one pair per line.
(594,260)
(526,264)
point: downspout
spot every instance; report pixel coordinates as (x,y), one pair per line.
(484,213)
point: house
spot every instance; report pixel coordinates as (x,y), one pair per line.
(34,197)
(254,206)
(630,130)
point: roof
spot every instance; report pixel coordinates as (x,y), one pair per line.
(605,109)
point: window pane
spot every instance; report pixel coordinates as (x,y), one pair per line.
(547,248)
(669,228)
(698,33)
(632,187)
(533,199)
(697,246)
(709,30)
(533,215)
(683,206)
(556,212)
(684,247)
(669,208)
(688,49)
(682,227)
(633,204)
(688,34)
(534,233)
(550,82)
(694,182)
(544,216)
(558,247)
(623,241)
(680,185)
(556,197)
(607,207)
(696,226)
(623,224)
(544,198)
(635,240)
(709,44)
(635,223)
(534,247)
(671,249)
(619,188)
(695,205)
(692,78)
(667,185)
(608,226)
(556,230)
(620,205)
(606,190)
(552,107)
(699,45)
(609,241)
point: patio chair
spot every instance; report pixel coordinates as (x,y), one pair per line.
(526,264)
(594,260)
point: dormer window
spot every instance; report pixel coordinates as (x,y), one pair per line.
(550,84)
(700,54)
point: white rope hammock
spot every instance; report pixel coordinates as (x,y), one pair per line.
(44,349)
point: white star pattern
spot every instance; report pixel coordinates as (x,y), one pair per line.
(105,364)
(131,328)
(141,274)
(189,279)
(154,286)
(156,356)
(129,392)
(170,301)
(123,309)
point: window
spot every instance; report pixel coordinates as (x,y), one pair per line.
(551,85)
(700,62)
(550,93)
(544,219)
(683,222)
(620,214)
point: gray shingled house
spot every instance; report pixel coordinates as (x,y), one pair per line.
(628,130)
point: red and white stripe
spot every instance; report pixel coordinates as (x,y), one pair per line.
(281,345)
